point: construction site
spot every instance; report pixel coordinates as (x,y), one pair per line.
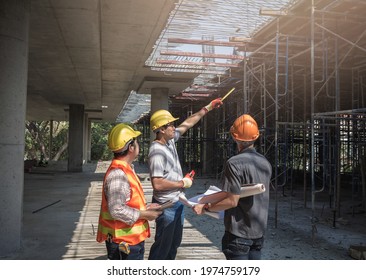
(297,66)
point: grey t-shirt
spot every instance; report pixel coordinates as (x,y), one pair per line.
(164,162)
(249,218)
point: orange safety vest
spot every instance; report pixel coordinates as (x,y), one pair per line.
(119,230)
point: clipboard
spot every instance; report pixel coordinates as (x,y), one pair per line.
(166,205)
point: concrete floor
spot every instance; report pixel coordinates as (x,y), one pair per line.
(61,213)
(61,217)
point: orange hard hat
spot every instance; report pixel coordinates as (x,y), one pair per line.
(244,128)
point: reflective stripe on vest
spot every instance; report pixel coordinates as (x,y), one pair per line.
(125,231)
(120,231)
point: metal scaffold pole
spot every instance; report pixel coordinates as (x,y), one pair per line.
(276,123)
(312,111)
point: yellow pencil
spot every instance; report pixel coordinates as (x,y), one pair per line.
(222,99)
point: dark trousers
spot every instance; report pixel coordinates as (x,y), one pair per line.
(136,251)
(238,248)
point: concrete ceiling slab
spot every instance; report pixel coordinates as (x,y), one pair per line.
(90,52)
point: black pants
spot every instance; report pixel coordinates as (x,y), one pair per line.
(136,251)
(238,248)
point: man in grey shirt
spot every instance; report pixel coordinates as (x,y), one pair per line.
(167,179)
(245,218)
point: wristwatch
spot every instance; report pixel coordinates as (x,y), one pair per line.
(207,206)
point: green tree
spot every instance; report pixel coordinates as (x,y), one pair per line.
(99,141)
(38,137)
(37,140)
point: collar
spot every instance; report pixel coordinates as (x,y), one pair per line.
(248,149)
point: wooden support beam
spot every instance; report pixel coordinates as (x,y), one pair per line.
(205,42)
(213,64)
(206,55)
(194,94)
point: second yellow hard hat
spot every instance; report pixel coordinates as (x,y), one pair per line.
(161,118)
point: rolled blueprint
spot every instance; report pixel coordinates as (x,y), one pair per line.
(245,191)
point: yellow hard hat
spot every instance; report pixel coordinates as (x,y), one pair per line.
(245,128)
(161,118)
(120,135)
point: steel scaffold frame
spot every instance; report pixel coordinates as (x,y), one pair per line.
(283,125)
(293,84)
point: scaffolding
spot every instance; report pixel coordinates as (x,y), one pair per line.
(310,104)
(302,78)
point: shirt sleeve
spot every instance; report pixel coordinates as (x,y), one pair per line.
(177,135)
(157,161)
(117,189)
(231,182)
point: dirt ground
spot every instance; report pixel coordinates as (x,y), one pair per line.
(291,234)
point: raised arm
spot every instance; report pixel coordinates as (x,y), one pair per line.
(193,119)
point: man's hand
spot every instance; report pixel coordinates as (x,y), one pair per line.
(199,209)
(152,206)
(187,182)
(188,179)
(150,214)
(216,103)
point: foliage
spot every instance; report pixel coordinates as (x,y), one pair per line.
(37,140)
(99,141)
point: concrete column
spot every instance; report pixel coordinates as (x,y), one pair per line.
(14,24)
(87,140)
(76,138)
(86,137)
(159,100)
